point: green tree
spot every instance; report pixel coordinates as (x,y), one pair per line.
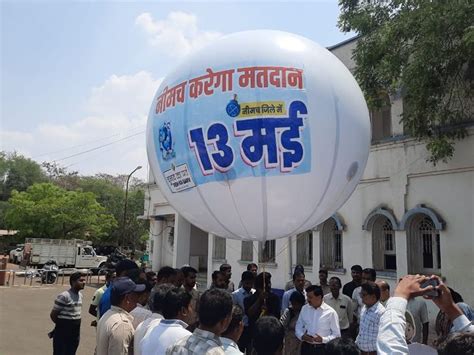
(425,49)
(48,211)
(109,191)
(18,173)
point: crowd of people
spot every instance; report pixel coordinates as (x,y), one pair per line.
(150,313)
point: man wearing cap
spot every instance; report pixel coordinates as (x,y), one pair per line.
(121,269)
(115,329)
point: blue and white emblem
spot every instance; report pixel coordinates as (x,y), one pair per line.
(166,141)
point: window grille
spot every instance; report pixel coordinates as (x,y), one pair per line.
(247,251)
(383,245)
(304,248)
(266,251)
(424,249)
(331,245)
(219,248)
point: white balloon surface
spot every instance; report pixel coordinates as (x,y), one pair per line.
(260,135)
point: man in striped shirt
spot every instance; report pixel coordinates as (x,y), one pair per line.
(66,314)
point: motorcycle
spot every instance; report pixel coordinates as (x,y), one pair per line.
(114,259)
(50,272)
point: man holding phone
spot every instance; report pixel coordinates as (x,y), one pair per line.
(391,339)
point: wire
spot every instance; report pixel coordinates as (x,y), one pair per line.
(84,144)
(99,147)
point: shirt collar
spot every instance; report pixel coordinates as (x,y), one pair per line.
(206,335)
(229,342)
(174,322)
(121,310)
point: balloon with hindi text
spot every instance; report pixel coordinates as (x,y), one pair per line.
(260,135)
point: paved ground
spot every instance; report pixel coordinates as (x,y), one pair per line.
(25,322)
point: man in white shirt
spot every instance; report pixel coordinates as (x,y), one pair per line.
(140,312)
(155,318)
(384,292)
(231,336)
(317,324)
(238,297)
(177,310)
(391,338)
(341,304)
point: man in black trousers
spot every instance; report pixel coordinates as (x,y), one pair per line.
(66,315)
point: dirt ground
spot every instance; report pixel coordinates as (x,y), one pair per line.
(25,322)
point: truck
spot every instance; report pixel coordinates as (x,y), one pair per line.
(75,253)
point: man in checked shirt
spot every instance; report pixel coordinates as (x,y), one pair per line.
(215,314)
(369,318)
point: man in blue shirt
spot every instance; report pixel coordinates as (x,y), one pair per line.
(121,270)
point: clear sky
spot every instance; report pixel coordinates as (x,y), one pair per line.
(77,78)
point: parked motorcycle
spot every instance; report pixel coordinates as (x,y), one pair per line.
(50,272)
(114,259)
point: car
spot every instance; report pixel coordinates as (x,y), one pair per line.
(16,255)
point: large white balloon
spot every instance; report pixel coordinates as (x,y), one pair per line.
(260,135)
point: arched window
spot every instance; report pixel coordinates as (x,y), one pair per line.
(381,120)
(331,244)
(383,245)
(424,249)
(304,248)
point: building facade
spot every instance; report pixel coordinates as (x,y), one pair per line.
(406,216)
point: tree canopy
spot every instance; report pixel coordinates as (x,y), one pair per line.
(425,50)
(48,211)
(17,173)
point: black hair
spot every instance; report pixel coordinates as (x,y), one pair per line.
(337,279)
(188,270)
(298,267)
(371,272)
(216,273)
(341,346)
(134,275)
(175,299)
(214,306)
(317,290)
(298,273)
(75,276)
(237,316)
(150,274)
(249,266)
(456,296)
(166,272)
(248,275)
(297,297)
(259,282)
(457,343)
(159,296)
(357,268)
(124,265)
(324,271)
(384,286)
(109,274)
(371,288)
(268,337)
(225,267)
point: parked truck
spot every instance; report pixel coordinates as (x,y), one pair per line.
(75,253)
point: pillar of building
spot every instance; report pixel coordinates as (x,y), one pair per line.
(182,240)
(156,228)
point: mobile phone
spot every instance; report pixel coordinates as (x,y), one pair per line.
(434,283)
